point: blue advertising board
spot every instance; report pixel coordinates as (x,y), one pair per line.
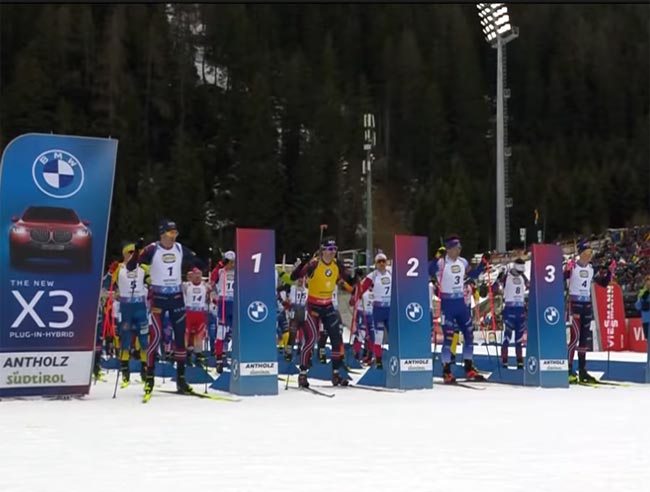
(410,365)
(546,362)
(254,369)
(55,197)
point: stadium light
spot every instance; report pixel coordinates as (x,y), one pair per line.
(497,29)
(369,141)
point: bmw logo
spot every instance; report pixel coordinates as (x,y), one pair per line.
(414,312)
(328,273)
(551,315)
(58,173)
(393,365)
(257,311)
(234,369)
(532,365)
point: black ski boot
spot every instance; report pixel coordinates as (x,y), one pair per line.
(126,373)
(288,353)
(447,376)
(302,378)
(148,380)
(585,377)
(520,363)
(181,383)
(337,380)
(97,367)
(471,373)
(201,361)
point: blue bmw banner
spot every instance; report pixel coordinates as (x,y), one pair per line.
(55,196)
(546,349)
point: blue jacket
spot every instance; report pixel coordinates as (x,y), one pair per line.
(643,306)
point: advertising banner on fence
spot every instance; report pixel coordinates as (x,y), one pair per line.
(55,196)
(609,313)
(636,341)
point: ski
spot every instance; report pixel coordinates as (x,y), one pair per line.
(462,384)
(467,385)
(312,391)
(612,383)
(207,396)
(380,389)
(349,370)
(594,385)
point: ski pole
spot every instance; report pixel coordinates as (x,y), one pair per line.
(206,339)
(436,321)
(492,314)
(117,378)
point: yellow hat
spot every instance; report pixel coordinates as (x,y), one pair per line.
(129,248)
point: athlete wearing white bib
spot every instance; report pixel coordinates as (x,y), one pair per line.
(132,309)
(297,314)
(196,296)
(580,275)
(514,312)
(380,280)
(450,272)
(196,319)
(452,277)
(131,285)
(580,278)
(224,287)
(363,307)
(298,296)
(165,258)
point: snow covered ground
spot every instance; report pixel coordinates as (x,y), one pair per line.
(500,439)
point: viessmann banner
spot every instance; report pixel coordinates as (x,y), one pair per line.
(55,196)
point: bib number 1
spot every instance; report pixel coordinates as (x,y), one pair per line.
(257,259)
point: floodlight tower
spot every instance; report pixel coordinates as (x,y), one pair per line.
(498,31)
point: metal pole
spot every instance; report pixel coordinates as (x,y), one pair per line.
(501,198)
(368,208)
(369,137)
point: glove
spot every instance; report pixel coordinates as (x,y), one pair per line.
(483,290)
(140,244)
(305,257)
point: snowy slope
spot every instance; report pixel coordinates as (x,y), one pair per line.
(500,439)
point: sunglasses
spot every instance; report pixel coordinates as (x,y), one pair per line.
(129,252)
(172,233)
(330,248)
(381,261)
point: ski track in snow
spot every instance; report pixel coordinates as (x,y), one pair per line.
(501,439)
